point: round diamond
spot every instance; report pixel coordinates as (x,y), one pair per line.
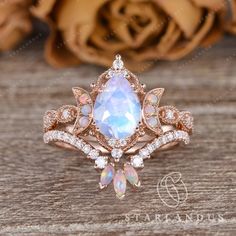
(94,154)
(86,149)
(66,114)
(116,153)
(79,144)
(144,153)
(101,162)
(137,161)
(112,142)
(151,148)
(123,142)
(118,64)
(169,114)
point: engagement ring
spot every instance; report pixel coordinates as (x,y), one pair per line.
(117,126)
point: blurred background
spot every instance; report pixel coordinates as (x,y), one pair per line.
(47,47)
(143,32)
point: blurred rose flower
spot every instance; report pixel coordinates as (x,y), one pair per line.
(15,22)
(231,26)
(142,31)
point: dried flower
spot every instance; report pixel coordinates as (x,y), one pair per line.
(141,31)
(231,26)
(15,22)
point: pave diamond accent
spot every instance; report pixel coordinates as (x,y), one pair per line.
(101,162)
(80,144)
(151,104)
(49,119)
(137,161)
(118,64)
(168,137)
(116,154)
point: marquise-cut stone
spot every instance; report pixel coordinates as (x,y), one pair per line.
(107,175)
(120,184)
(131,175)
(117,110)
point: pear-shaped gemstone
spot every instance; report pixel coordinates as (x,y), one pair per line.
(117,110)
(131,175)
(107,175)
(120,184)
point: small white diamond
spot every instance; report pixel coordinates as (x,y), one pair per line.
(60,136)
(157,143)
(144,153)
(163,140)
(118,64)
(116,153)
(66,114)
(151,148)
(94,154)
(86,149)
(68,139)
(187,140)
(137,161)
(112,142)
(169,114)
(101,162)
(169,137)
(123,142)
(177,135)
(79,144)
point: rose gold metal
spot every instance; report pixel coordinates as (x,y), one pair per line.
(67,119)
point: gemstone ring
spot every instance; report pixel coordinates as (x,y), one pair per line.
(117,126)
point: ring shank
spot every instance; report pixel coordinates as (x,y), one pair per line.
(140,144)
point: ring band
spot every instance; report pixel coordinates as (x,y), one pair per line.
(117,125)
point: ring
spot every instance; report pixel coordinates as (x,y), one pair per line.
(117,126)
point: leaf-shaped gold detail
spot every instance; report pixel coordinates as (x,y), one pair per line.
(169,115)
(66,113)
(49,120)
(186,121)
(85,110)
(150,110)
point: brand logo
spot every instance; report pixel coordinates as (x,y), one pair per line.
(172,190)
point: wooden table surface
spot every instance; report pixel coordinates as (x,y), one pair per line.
(45,190)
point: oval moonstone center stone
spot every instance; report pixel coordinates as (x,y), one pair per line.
(117,110)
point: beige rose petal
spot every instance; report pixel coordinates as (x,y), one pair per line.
(231,26)
(43,8)
(184,49)
(15,23)
(187,15)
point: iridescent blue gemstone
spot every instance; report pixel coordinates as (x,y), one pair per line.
(117,110)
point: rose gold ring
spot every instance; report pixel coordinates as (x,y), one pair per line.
(117,125)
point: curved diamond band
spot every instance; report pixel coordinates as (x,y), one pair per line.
(118,125)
